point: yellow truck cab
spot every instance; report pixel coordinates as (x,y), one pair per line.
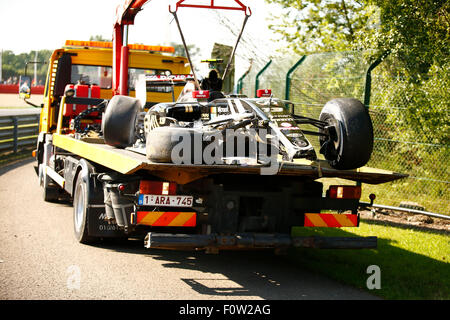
(90,63)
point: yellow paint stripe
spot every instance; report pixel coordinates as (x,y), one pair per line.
(343,220)
(181,219)
(316,220)
(150,218)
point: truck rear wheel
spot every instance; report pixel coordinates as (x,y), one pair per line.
(50,193)
(352,145)
(81,211)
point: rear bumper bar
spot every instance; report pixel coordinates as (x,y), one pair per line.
(254,241)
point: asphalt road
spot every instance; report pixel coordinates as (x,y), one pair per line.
(40,259)
(9,100)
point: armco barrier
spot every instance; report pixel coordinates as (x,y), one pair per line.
(17,132)
(14,89)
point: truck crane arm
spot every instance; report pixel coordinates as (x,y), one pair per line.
(125,15)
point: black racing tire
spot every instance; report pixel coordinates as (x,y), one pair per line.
(160,144)
(353,143)
(168,144)
(81,211)
(119,121)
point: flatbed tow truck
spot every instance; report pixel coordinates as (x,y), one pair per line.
(94,142)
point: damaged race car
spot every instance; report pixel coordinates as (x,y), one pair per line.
(234,129)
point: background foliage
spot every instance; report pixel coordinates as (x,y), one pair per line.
(409,101)
(13,65)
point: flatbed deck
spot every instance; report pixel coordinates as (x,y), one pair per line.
(129,162)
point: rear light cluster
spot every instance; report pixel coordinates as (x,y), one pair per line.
(344,192)
(157,188)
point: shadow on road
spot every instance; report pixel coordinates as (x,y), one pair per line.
(244,273)
(14,165)
(404,274)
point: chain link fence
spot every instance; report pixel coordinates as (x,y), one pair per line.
(411,119)
(411,128)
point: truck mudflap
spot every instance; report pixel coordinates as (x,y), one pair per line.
(254,241)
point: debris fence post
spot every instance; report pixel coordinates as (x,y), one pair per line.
(288,77)
(259,74)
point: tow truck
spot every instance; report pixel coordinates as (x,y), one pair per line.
(106,143)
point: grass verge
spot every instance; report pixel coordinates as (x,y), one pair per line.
(414,264)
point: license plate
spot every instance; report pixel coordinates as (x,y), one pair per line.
(165,201)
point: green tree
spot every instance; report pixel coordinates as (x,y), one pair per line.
(416,32)
(315,25)
(417,35)
(13,65)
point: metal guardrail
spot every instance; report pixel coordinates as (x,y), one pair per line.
(412,211)
(17,132)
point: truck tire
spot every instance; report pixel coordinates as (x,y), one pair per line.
(50,193)
(119,121)
(352,146)
(81,211)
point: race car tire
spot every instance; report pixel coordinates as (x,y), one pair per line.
(119,121)
(161,141)
(352,145)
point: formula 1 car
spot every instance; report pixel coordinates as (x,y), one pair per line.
(257,128)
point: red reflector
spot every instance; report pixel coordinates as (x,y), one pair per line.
(329,220)
(157,187)
(263,93)
(167,219)
(202,94)
(344,192)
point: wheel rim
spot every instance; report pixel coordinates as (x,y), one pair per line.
(334,146)
(79,206)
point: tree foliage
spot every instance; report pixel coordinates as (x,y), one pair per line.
(13,65)
(416,32)
(315,25)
